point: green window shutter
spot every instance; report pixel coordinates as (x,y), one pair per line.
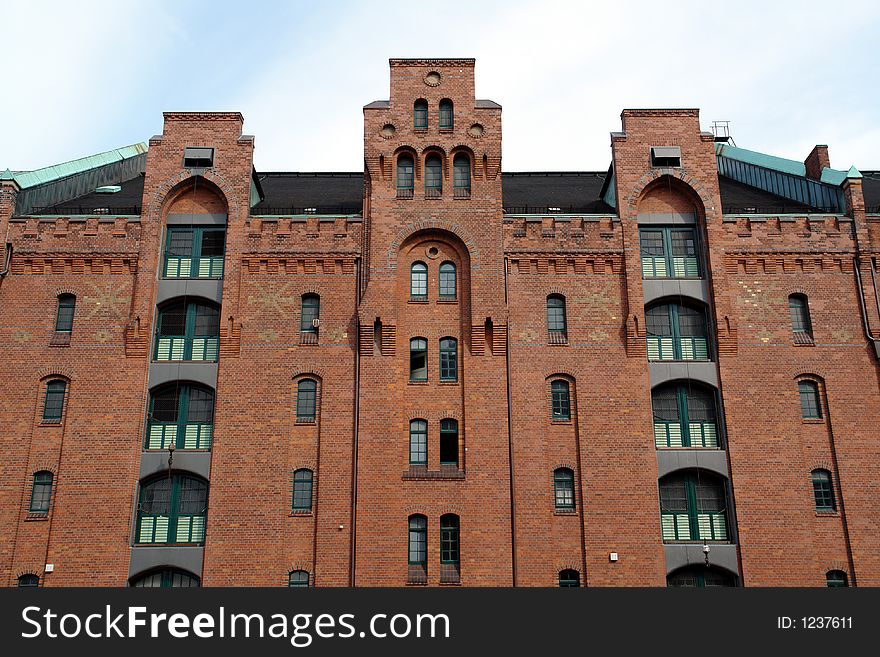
(154,529)
(713,526)
(703,434)
(667,434)
(675,526)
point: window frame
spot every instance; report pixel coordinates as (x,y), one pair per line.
(166,578)
(461,175)
(836,578)
(557,335)
(405,175)
(418,441)
(564,488)
(28,581)
(194,260)
(41,492)
(420,114)
(670,519)
(418,281)
(450,539)
(418,539)
(449,360)
(303,491)
(306,401)
(211,347)
(299,582)
(799,316)
(824,498)
(810,387)
(446,117)
(56,393)
(684,393)
(65,313)
(415,374)
(433,178)
(449,430)
(560,400)
(448,271)
(678,339)
(172,529)
(668,257)
(567,580)
(310,310)
(183,428)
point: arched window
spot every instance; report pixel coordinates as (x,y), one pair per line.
(306,400)
(41,492)
(446,114)
(801,326)
(28,581)
(405,176)
(556,323)
(64,315)
(194,252)
(699,577)
(53,405)
(811,403)
(433,176)
(418,281)
(298,579)
(669,253)
(834,579)
(676,332)
(309,317)
(188,330)
(693,507)
(166,578)
(418,359)
(461,175)
(569,578)
(560,400)
(450,552)
(563,489)
(420,114)
(447,280)
(181,415)
(823,491)
(172,510)
(448,442)
(449,359)
(418,442)
(302,490)
(418,549)
(684,416)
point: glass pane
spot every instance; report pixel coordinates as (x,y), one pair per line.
(691,322)
(53,408)
(709,495)
(418,442)
(306,397)
(207,320)
(41,492)
(64,319)
(201,406)
(166,404)
(449,442)
(419,280)
(563,482)
(448,359)
(461,170)
(418,540)
(311,310)
(172,320)
(156,497)
(560,400)
(651,242)
(213,242)
(700,405)
(193,496)
(665,404)
(180,242)
(433,173)
(298,579)
(302,489)
(418,360)
(449,543)
(447,280)
(809,394)
(673,494)
(556,314)
(404,172)
(658,321)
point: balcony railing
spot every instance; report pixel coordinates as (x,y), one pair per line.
(662,347)
(709,526)
(196,435)
(156,529)
(180,348)
(676,267)
(700,434)
(185,267)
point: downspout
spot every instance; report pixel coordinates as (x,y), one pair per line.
(352,556)
(510,441)
(861,296)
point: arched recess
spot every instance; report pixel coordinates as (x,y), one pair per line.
(195,195)
(435,248)
(699,576)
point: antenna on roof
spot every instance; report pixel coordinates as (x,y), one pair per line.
(721,130)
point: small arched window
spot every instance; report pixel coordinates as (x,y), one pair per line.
(449,359)
(447,280)
(418,549)
(420,114)
(405,176)
(461,175)
(298,579)
(450,549)
(28,580)
(41,492)
(563,489)
(188,330)
(302,490)
(556,322)
(811,402)
(836,579)
(166,578)
(172,510)
(433,176)
(693,507)
(306,400)
(64,316)
(53,405)
(418,359)
(418,442)
(560,400)
(418,281)
(569,578)
(448,442)
(310,314)
(823,490)
(684,416)
(801,326)
(181,415)
(446,114)
(676,332)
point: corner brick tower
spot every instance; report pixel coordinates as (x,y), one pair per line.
(433,200)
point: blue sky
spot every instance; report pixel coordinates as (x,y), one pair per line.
(88,76)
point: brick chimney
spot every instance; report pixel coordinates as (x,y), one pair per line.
(816,161)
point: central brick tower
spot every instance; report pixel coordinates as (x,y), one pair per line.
(432,453)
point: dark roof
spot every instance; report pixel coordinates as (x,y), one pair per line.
(125,201)
(569,191)
(321,193)
(486,104)
(378,104)
(871,190)
(738,197)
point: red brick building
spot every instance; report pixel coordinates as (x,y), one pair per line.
(433,372)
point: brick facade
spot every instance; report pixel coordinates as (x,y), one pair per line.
(499,483)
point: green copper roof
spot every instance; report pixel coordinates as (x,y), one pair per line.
(27,179)
(829,176)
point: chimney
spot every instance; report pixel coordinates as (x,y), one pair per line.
(816,161)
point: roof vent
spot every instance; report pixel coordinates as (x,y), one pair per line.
(665,156)
(108,189)
(198,158)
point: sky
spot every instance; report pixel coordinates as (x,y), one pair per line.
(88,76)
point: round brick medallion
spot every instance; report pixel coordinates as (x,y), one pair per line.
(387,131)
(432,79)
(476,131)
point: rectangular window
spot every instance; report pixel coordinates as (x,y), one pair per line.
(811,408)
(194,252)
(418,360)
(64,318)
(665,156)
(448,360)
(669,253)
(418,442)
(41,492)
(198,158)
(448,442)
(54,402)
